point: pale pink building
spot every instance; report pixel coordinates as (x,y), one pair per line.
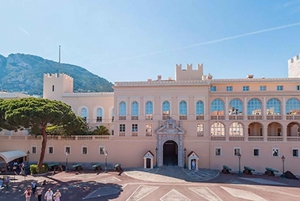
(192,117)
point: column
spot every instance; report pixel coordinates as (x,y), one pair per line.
(264,105)
(265,131)
(245,108)
(283,112)
(226,108)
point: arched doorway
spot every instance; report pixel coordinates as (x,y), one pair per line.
(170,153)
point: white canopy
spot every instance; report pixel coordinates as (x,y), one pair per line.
(12,155)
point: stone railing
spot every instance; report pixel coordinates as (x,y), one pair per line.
(275,138)
(217,138)
(255,138)
(236,138)
(51,137)
(293,138)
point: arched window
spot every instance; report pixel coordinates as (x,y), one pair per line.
(199,110)
(122,111)
(293,106)
(134,110)
(236,107)
(149,110)
(217,107)
(217,129)
(273,107)
(84,114)
(166,110)
(99,115)
(200,130)
(236,129)
(254,107)
(182,110)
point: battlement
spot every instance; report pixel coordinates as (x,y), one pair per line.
(294,67)
(188,73)
(55,75)
(294,59)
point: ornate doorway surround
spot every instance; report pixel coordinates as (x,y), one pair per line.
(169,130)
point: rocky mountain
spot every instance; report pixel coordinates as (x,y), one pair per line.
(24,73)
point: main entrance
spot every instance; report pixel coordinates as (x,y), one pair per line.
(170,155)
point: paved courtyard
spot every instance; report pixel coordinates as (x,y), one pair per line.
(162,184)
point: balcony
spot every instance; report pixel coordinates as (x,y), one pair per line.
(165,117)
(254,117)
(134,134)
(236,138)
(122,117)
(275,138)
(149,117)
(182,117)
(200,117)
(274,117)
(292,138)
(255,138)
(292,117)
(134,117)
(214,117)
(122,134)
(236,117)
(217,138)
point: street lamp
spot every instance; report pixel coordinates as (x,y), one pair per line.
(156,150)
(67,154)
(28,158)
(184,157)
(239,155)
(105,153)
(283,158)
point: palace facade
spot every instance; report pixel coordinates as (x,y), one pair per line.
(192,117)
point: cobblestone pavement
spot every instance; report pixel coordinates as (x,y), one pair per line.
(162,184)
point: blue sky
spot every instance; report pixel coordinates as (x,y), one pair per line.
(135,40)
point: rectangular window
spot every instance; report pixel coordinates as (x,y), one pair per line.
(298,87)
(275,152)
(279,88)
(200,130)
(229,88)
(99,119)
(84,150)
(262,88)
(218,151)
(245,88)
(101,150)
(236,151)
(134,128)
(255,152)
(295,152)
(213,88)
(122,127)
(33,150)
(68,150)
(148,130)
(50,150)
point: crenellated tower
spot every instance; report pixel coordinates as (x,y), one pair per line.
(189,73)
(55,85)
(294,67)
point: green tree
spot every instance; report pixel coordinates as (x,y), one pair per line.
(101,130)
(36,114)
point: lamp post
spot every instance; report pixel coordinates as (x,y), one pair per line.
(105,153)
(67,154)
(156,150)
(283,158)
(28,158)
(184,157)
(239,155)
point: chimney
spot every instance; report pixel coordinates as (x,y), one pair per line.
(159,78)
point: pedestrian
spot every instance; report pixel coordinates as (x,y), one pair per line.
(6,181)
(48,195)
(57,195)
(33,186)
(39,192)
(27,194)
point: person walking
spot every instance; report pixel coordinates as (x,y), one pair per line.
(39,192)
(57,195)
(27,194)
(48,195)
(33,186)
